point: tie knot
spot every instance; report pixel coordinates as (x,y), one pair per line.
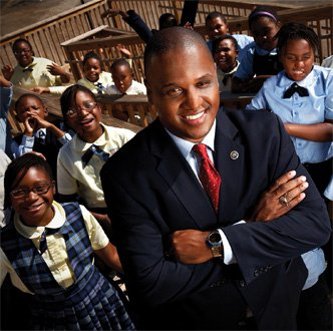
(201,150)
(302,91)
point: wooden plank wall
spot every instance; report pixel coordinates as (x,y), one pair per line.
(47,35)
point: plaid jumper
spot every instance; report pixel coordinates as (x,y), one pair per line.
(91,303)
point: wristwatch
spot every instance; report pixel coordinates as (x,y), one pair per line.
(214,242)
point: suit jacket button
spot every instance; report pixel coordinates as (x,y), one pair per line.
(256,273)
(241,283)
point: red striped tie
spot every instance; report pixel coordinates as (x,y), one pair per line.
(209,177)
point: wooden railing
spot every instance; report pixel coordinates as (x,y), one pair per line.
(130,111)
(82,29)
(47,35)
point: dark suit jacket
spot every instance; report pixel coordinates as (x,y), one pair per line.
(151,191)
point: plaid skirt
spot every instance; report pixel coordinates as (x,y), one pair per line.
(93,304)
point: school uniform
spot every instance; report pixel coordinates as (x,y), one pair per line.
(314,108)
(242,40)
(43,141)
(68,291)
(79,168)
(6,94)
(135,88)
(98,87)
(311,109)
(35,74)
(257,61)
(225,78)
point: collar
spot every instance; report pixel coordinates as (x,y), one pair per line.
(284,82)
(82,146)
(32,232)
(262,52)
(31,65)
(232,71)
(186,146)
(40,133)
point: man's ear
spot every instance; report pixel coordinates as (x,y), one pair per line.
(148,91)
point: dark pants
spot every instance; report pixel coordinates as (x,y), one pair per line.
(315,308)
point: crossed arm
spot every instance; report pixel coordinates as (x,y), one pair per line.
(189,246)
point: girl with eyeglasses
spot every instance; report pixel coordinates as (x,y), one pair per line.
(47,248)
(80,161)
(32,71)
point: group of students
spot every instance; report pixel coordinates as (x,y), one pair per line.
(48,248)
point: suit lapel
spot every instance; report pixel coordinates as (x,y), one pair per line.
(229,160)
(175,170)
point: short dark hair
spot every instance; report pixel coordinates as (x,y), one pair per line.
(169,39)
(217,41)
(91,55)
(261,11)
(21,40)
(215,14)
(120,62)
(68,97)
(18,168)
(296,31)
(27,95)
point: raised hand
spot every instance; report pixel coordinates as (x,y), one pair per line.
(123,50)
(7,71)
(56,69)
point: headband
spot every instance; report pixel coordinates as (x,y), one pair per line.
(263,13)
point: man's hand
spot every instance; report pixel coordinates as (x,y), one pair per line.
(7,71)
(270,207)
(189,246)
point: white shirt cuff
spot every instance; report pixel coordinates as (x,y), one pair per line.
(228,255)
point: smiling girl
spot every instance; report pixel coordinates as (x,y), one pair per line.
(302,95)
(47,248)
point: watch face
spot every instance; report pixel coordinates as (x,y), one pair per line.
(215,237)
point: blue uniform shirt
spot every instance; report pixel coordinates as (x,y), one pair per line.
(315,108)
(245,70)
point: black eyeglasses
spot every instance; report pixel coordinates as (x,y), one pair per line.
(22,51)
(24,192)
(87,105)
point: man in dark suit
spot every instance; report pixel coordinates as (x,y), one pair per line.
(152,189)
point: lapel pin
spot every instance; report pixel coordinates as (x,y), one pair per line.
(234,155)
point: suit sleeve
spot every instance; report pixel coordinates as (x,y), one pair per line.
(153,278)
(258,245)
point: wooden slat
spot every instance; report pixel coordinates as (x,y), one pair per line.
(73,22)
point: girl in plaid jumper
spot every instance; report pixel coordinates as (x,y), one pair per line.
(47,248)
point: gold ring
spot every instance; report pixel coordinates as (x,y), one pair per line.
(283,200)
